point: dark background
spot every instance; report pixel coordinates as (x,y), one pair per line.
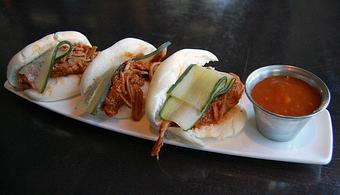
(43,152)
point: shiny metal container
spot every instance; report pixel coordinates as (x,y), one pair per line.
(279,127)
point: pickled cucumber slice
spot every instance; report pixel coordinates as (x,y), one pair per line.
(45,63)
(148,57)
(191,95)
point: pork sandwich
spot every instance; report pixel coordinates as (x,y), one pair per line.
(50,69)
(194,102)
(116,82)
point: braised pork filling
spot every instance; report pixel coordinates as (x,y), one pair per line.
(126,88)
(219,107)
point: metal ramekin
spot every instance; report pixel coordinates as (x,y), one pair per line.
(279,127)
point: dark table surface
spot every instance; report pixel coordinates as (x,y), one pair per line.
(44,152)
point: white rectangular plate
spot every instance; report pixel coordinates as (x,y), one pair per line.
(313,145)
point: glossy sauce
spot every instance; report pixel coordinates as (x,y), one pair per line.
(286,95)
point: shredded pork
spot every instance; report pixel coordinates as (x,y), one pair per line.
(160,141)
(219,107)
(75,63)
(126,88)
(24,83)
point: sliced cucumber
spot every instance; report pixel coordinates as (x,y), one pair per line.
(181,77)
(31,70)
(180,112)
(191,95)
(60,54)
(100,94)
(196,87)
(97,93)
(95,97)
(42,70)
(46,62)
(149,57)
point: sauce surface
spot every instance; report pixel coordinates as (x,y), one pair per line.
(286,95)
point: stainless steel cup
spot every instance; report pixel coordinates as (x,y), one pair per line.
(279,127)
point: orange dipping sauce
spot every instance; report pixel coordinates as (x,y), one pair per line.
(286,95)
